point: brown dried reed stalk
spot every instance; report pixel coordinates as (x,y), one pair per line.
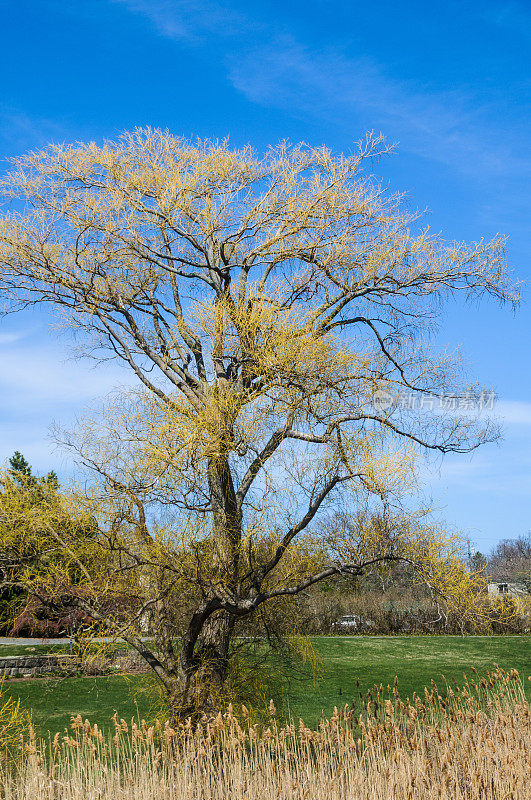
(459,743)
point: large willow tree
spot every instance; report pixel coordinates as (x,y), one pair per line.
(273,308)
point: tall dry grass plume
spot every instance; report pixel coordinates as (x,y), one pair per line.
(453,743)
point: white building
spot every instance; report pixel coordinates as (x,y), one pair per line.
(506,589)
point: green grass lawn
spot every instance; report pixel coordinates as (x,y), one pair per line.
(413,659)
(7,650)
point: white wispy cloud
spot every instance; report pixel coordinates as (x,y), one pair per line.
(443,126)
(512,15)
(273,68)
(188,19)
(33,440)
(514,412)
(39,388)
(30,375)
(492,470)
(20,131)
(10,338)
(504,412)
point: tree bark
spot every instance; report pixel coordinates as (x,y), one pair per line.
(205,651)
(199,687)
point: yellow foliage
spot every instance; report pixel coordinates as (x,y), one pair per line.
(266,304)
(14,724)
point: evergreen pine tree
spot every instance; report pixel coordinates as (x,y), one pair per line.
(20,470)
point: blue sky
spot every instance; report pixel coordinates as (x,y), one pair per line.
(450,82)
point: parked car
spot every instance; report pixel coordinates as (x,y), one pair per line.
(352,622)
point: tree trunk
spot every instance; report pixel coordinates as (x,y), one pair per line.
(199,686)
(205,651)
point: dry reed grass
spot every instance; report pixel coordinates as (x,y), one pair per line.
(467,743)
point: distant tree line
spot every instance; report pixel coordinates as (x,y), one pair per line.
(390,602)
(387,599)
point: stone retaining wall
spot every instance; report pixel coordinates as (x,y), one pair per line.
(63,663)
(25,666)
